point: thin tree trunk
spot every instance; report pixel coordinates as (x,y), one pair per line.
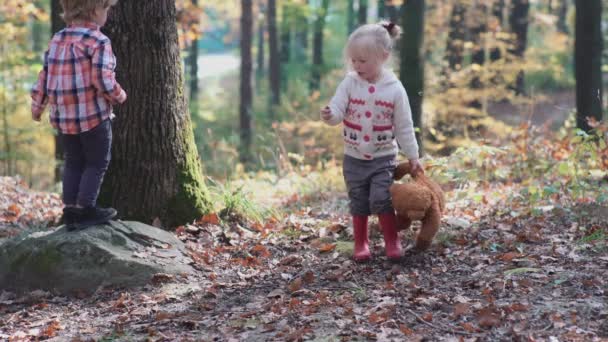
(519,25)
(381,9)
(155,169)
(393,11)
(285,34)
(562,12)
(588,62)
(261,30)
(193,67)
(317,53)
(412,65)
(274,64)
(454,50)
(246,91)
(301,38)
(350,16)
(478,54)
(56,25)
(497,11)
(362,12)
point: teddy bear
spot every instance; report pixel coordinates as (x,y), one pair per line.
(420,199)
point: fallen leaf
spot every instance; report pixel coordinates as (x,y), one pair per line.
(295,285)
(309,277)
(327,247)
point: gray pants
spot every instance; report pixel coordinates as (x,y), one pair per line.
(368,182)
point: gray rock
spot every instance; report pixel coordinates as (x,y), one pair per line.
(124,254)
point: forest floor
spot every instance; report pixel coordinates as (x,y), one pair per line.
(493,273)
(499,269)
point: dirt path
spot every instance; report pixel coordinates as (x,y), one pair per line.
(550,109)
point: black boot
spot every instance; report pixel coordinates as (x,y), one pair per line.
(90,216)
(69,217)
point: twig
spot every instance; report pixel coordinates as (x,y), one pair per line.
(448,330)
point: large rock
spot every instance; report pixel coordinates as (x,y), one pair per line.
(119,253)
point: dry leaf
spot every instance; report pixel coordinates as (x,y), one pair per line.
(327,247)
(295,285)
(309,277)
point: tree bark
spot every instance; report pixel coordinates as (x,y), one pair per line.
(246,92)
(301,37)
(274,64)
(519,26)
(362,12)
(317,47)
(155,170)
(588,46)
(57,24)
(412,65)
(381,9)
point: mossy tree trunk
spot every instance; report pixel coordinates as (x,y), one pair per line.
(588,62)
(155,169)
(411,66)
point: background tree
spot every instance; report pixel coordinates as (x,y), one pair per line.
(411,66)
(350,16)
(193,65)
(57,24)
(261,60)
(588,61)
(454,50)
(317,47)
(246,93)
(562,12)
(155,169)
(362,12)
(285,38)
(274,64)
(518,20)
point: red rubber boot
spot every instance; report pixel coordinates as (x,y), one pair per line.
(392,244)
(361,252)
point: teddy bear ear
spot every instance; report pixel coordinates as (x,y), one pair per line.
(401,170)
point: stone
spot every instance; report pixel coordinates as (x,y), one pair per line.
(116,254)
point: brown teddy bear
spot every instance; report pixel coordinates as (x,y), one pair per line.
(421,199)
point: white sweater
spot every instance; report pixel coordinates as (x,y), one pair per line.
(376,117)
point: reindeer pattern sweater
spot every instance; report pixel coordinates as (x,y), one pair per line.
(377,118)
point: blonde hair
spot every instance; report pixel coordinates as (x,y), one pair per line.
(83,9)
(374,40)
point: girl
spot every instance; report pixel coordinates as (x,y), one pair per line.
(374,108)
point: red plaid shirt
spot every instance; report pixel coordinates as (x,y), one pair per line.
(77,80)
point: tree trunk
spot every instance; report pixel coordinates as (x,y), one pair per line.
(381,9)
(455,43)
(412,67)
(57,24)
(497,12)
(246,87)
(362,12)
(193,67)
(393,11)
(155,170)
(285,34)
(562,12)
(588,62)
(261,30)
(519,26)
(274,64)
(317,47)
(350,16)
(301,38)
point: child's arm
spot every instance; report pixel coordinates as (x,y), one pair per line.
(404,126)
(39,94)
(333,114)
(103,76)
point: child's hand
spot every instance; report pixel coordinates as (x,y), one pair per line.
(416,167)
(326,113)
(36,115)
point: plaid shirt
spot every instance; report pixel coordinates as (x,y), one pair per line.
(77,80)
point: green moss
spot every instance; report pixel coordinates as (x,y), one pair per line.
(43,262)
(192,198)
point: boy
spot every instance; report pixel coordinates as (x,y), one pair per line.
(79,85)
